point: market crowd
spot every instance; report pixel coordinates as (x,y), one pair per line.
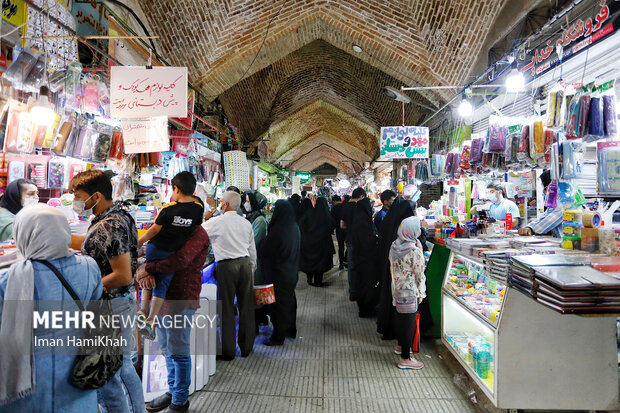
(382,253)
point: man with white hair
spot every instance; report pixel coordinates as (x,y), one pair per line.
(232,240)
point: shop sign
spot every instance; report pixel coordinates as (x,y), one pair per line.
(146,135)
(140,92)
(578,36)
(404,142)
(91,17)
(13,11)
(187,122)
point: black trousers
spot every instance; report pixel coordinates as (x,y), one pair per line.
(405,327)
(234,279)
(284,312)
(315,277)
(340,236)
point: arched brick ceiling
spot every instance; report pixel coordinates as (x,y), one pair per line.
(322,155)
(316,71)
(319,140)
(416,41)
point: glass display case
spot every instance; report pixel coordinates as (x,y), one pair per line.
(466,282)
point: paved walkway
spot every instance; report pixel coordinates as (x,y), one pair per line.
(337,364)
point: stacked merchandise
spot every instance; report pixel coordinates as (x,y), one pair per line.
(477,351)
(468,283)
(496,262)
(568,284)
(466,245)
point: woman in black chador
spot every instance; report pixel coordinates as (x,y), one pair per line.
(317,246)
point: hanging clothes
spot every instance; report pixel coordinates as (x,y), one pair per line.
(280,254)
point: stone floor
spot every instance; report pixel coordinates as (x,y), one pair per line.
(337,364)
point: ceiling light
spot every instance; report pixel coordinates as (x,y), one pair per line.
(465,109)
(395,94)
(42,111)
(357,49)
(515,81)
(344,184)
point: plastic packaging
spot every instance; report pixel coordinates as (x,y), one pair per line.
(104,99)
(497,134)
(582,118)
(596,125)
(610,116)
(608,156)
(556,103)
(91,95)
(21,67)
(17,112)
(73,92)
(476,151)
(524,144)
(552,195)
(537,139)
(550,138)
(34,79)
(464,160)
(117,147)
(37,171)
(65,130)
(57,172)
(568,161)
(17,170)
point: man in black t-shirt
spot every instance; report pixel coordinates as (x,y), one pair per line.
(346,218)
(173,226)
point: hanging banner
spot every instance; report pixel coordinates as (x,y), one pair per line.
(146,135)
(138,92)
(13,11)
(404,142)
(187,122)
(595,23)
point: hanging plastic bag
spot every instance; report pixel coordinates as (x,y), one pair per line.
(610,116)
(608,157)
(596,125)
(21,67)
(552,195)
(556,103)
(91,95)
(582,118)
(497,133)
(566,195)
(57,172)
(537,139)
(524,144)
(33,81)
(550,139)
(464,160)
(568,161)
(476,151)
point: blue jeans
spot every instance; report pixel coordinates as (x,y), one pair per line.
(162,281)
(351,273)
(112,396)
(175,346)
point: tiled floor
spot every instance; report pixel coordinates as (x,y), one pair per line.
(337,364)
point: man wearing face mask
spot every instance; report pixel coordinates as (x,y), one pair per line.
(20,193)
(550,221)
(499,205)
(112,241)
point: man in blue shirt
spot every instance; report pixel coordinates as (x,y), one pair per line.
(549,221)
(499,205)
(387,197)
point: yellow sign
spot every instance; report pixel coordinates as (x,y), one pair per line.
(13,12)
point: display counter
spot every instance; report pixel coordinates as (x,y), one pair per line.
(521,354)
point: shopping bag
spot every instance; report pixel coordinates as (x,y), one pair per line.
(264,294)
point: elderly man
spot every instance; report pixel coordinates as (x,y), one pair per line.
(232,239)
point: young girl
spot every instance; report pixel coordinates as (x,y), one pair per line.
(408,287)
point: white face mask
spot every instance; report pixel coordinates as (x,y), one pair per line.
(30,201)
(248,207)
(79,207)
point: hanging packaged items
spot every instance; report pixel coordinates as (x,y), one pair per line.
(570,126)
(476,151)
(101,147)
(537,139)
(487,159)
(497,133)
(568,161)
(73,94)
(17,167)
(608,157)
(556,101)
(65,131)
(524,144)
(104,99)
(464,160)
(421,171)
(596,125)
(449,161)
(37,170)
(33,81)
(117,147)
(610,116)
(554,161)
(566,195)
(550,139)
(436,162)
(581,128)
(57,172)
(91,95)
(17,112)
(551,200)
(21,67)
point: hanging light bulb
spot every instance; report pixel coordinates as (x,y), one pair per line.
(515,81)
(42,112)
(465,109)
(344,184)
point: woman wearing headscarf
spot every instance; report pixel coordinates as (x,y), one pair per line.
(408,287)
(364,241)
(280,263)
(38,378)
(253,213)
(305,206)
(317,246)
(19,193)
(295,201)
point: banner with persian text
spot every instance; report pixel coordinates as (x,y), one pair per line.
(404,142)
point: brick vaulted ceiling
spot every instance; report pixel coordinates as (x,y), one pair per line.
(306,94)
